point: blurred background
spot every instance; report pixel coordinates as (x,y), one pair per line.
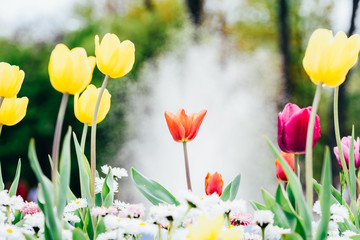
(239,59)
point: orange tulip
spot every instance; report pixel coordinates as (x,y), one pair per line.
(290,159)
(184,128)
(213,183)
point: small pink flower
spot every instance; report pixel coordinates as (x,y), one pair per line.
(239,218)
(133,211)
(99,211)
(30,208)
(112,210)
(345,145)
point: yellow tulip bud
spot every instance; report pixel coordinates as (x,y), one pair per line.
(328,59)
(84,106)
(13,110)
(112,57)
(70,71)
(11,79)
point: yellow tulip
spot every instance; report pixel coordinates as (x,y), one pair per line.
(212,229)
(70,71)
(11,79)
(112,57)
(13,110)
(328,59)
(84,106)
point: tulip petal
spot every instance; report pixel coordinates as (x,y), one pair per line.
(176,129)
(196,122)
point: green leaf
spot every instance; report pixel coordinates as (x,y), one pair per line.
(296,188)
(325,195)
(257,206)
(2,185)
(291,236)
(88,227)
(107,193)
(355,237)
(235,187)
(152,190)
(100,226)
(84,174)
(29,237)
(353,180)
(79,235)
(64,178)
(280,218)
(45,192)
(226,193)
(283,201)
(15,183)
(334,198)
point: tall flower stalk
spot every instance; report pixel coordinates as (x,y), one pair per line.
(57,136)
(93,137)
(309,147)
(187,168)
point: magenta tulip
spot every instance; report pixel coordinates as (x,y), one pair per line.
(292,128)
(345,145)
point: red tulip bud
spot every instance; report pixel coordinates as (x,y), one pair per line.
(213,183)
(290,159)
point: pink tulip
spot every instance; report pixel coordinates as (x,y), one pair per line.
(292,128)
(345,145)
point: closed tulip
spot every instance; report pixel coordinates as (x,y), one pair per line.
(213,183)
(84,106)
(328,59)
(292,128)
(13,110)
(11,79)
(70,71)
(290,159)
(345,145)
(114,58)
(184,128)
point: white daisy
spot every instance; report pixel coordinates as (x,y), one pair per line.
(70,217)
(99,183)
(317,207)
(35,220)
(262,218)
(113,235)
(76,204)
(66,234)
(116,172)
(10,232)
(338,213)
(275,232)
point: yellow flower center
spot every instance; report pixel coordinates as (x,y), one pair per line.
(119,220)
(9,230)
(142,224)
(77,202)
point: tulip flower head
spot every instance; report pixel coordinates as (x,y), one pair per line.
(213,183)
(328,59)
(113,57)
(11,79)
(290,159)
(292,128)
(13,110)
(184,128)
(84,106)
(70,71)
(345,145)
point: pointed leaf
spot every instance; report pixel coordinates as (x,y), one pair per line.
(280,218)
(65,169)
(296,189)
(291,236)
(15,183)
(84,175)
(79,235)
(257,206)
(325,195)
(226,193)
(235,187)
(152,190)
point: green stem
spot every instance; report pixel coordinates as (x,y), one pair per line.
(337,136)
(159,231)
(187,168)
(170,230)
(309,147)
(8,215)
(297,165)
(0,128)
(56,141)
(263,233)
(183,217)
(342,158)
(93,138)
(83,137)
